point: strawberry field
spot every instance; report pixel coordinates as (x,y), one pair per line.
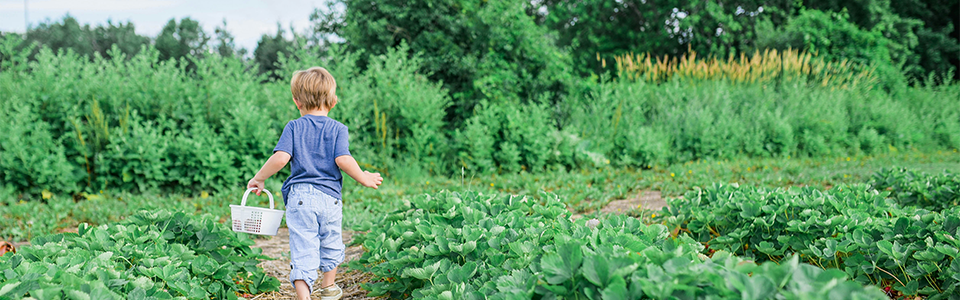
(845,234)
(853,241)
(158,255)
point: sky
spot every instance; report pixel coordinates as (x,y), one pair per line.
(247,20)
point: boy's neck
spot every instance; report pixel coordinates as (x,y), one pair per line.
(315,112)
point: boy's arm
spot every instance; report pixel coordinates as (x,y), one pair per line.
(350,166)
(273,165)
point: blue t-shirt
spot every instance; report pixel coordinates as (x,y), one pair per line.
(314,143)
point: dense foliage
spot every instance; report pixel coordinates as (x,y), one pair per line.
(918,33)
(136,124)
(495,87)
(151,255)
(853,228)
(476,246)
(489,51)
(933,192)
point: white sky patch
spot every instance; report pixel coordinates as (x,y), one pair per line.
(85,6)
(247,20)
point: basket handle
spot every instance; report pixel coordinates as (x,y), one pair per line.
(247,193)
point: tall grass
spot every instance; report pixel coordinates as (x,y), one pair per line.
(664,110)
(769,66)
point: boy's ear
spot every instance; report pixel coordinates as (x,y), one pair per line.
(297,103)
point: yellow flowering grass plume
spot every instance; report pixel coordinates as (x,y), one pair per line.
(768,66)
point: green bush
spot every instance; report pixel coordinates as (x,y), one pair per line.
(510,138)
(139,124)
(31,157)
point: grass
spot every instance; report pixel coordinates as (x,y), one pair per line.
(584,190)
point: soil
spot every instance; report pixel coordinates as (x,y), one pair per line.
(278,247)
(647,200)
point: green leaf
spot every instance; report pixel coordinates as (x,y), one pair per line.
(758,287)
(616,290)
(9,287)
(596,270)
(47,293)
(77,295)
(901,226)
(137,293)
(424,273)
(461,274)
(910,289)
(561,265)
(886,247)
(464,248)
(555,268)
(203,265)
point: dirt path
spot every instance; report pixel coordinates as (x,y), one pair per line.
(279,248)
(647,200)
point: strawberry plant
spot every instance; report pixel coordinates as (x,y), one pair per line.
(933,192)
(853,228)
(489,246)
(152,255)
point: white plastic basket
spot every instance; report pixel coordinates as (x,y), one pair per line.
(255,220)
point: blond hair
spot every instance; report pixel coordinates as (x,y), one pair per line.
(314,88)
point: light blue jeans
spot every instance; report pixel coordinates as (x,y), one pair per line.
(314,220)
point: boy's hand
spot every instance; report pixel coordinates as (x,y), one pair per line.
(373,180)
(254,183)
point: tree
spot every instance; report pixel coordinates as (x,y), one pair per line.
(907,24)
(328,23)
(177,40)
(594,29)
(85,40)
(267,53)
(598,30)
(225,42)
(480,50)
(939,35)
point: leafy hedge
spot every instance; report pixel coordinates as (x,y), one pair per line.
(158,255)
(480,246)
(853,228)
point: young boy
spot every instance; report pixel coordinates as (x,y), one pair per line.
(317,148)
